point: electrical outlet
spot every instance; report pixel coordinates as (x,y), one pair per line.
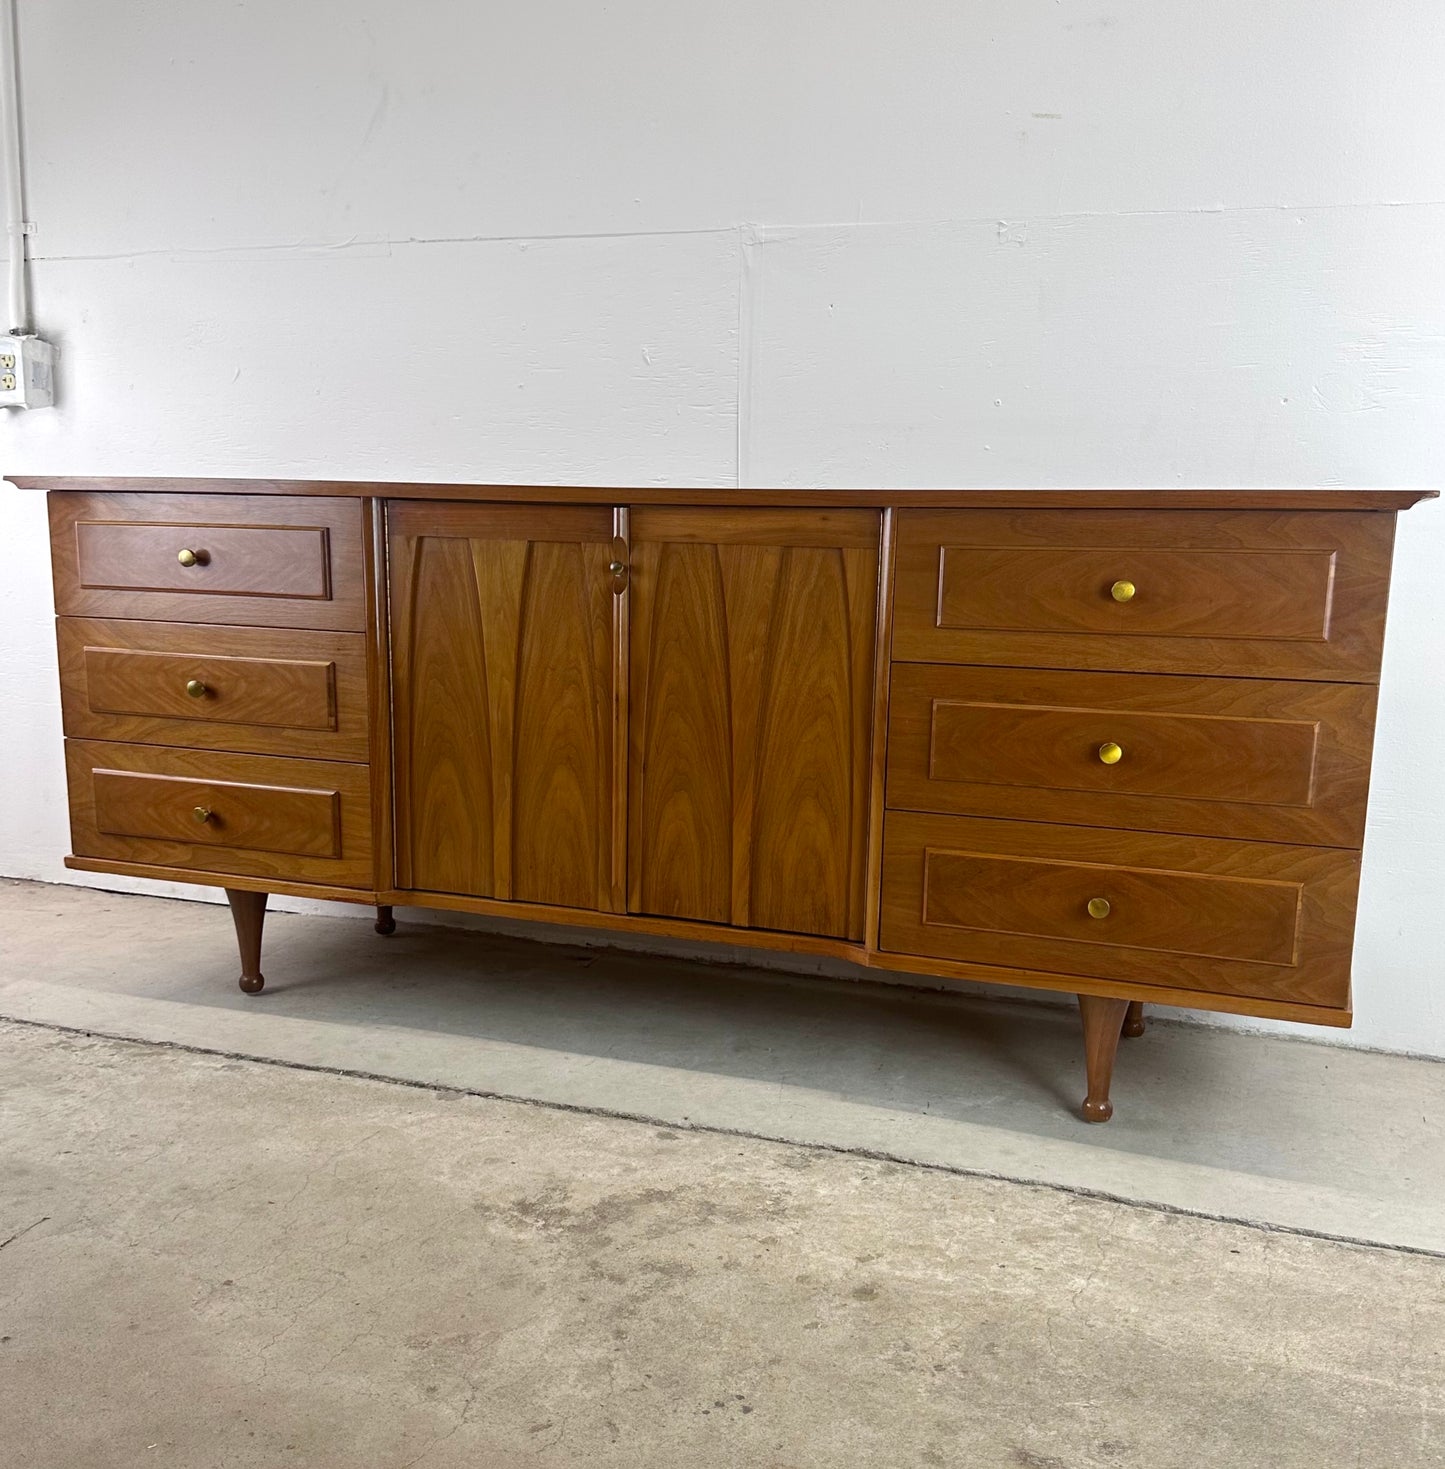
(27,372)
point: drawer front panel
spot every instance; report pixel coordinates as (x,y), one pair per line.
(1170,912)
(1296,595)
(255,690)
(1276,761)
(218,813)
(271,691)
(1187,594)
(271,561)
(225,560)
(1269,762)
(255,815)
(1235,918)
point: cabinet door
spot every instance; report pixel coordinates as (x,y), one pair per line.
(503,682)
(752,650)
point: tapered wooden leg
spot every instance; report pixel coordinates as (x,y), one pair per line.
(385,923)
(1133,1019)
(249,912)
(1103,1020)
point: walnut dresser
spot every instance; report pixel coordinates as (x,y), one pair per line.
(1115,743)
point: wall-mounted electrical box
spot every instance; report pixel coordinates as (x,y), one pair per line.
(27,372)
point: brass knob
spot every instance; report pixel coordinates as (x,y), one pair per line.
(197,690)
(1098,907)
(1122,591)
(202,814)
(1110,753)
(617,567)
(188,557)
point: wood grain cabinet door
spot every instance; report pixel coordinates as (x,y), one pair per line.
(502,669)
(752,648)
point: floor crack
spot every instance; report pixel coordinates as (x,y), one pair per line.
(19,1232)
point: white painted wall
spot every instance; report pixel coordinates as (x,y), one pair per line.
(1009,242)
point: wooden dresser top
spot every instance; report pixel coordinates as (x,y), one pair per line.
(978,499)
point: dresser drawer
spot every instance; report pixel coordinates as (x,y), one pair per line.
(1274,761)
(1294,595)
(258,690)
(254,815)
(1252,919)
(268,561)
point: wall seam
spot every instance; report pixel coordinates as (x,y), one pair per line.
(750,283)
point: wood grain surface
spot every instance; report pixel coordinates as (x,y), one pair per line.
(290,820)
(267,690)
(379,692)
(1181,594)
(1103,1020)
(1206,917)
(753,642)
(502,666)
(230,560)
(1191,912)
(1282,594)
(268,562)
(865,724)
(306,820)
(878,754)
(750,499)
(1268,760)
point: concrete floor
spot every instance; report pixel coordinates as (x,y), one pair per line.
(213,1262)
(1283,1133)
(210,1260)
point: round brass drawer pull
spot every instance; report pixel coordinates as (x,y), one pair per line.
(1122,591)
(1098,907)
(197,690)
(202,814)
(188,557)
(1110,753)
